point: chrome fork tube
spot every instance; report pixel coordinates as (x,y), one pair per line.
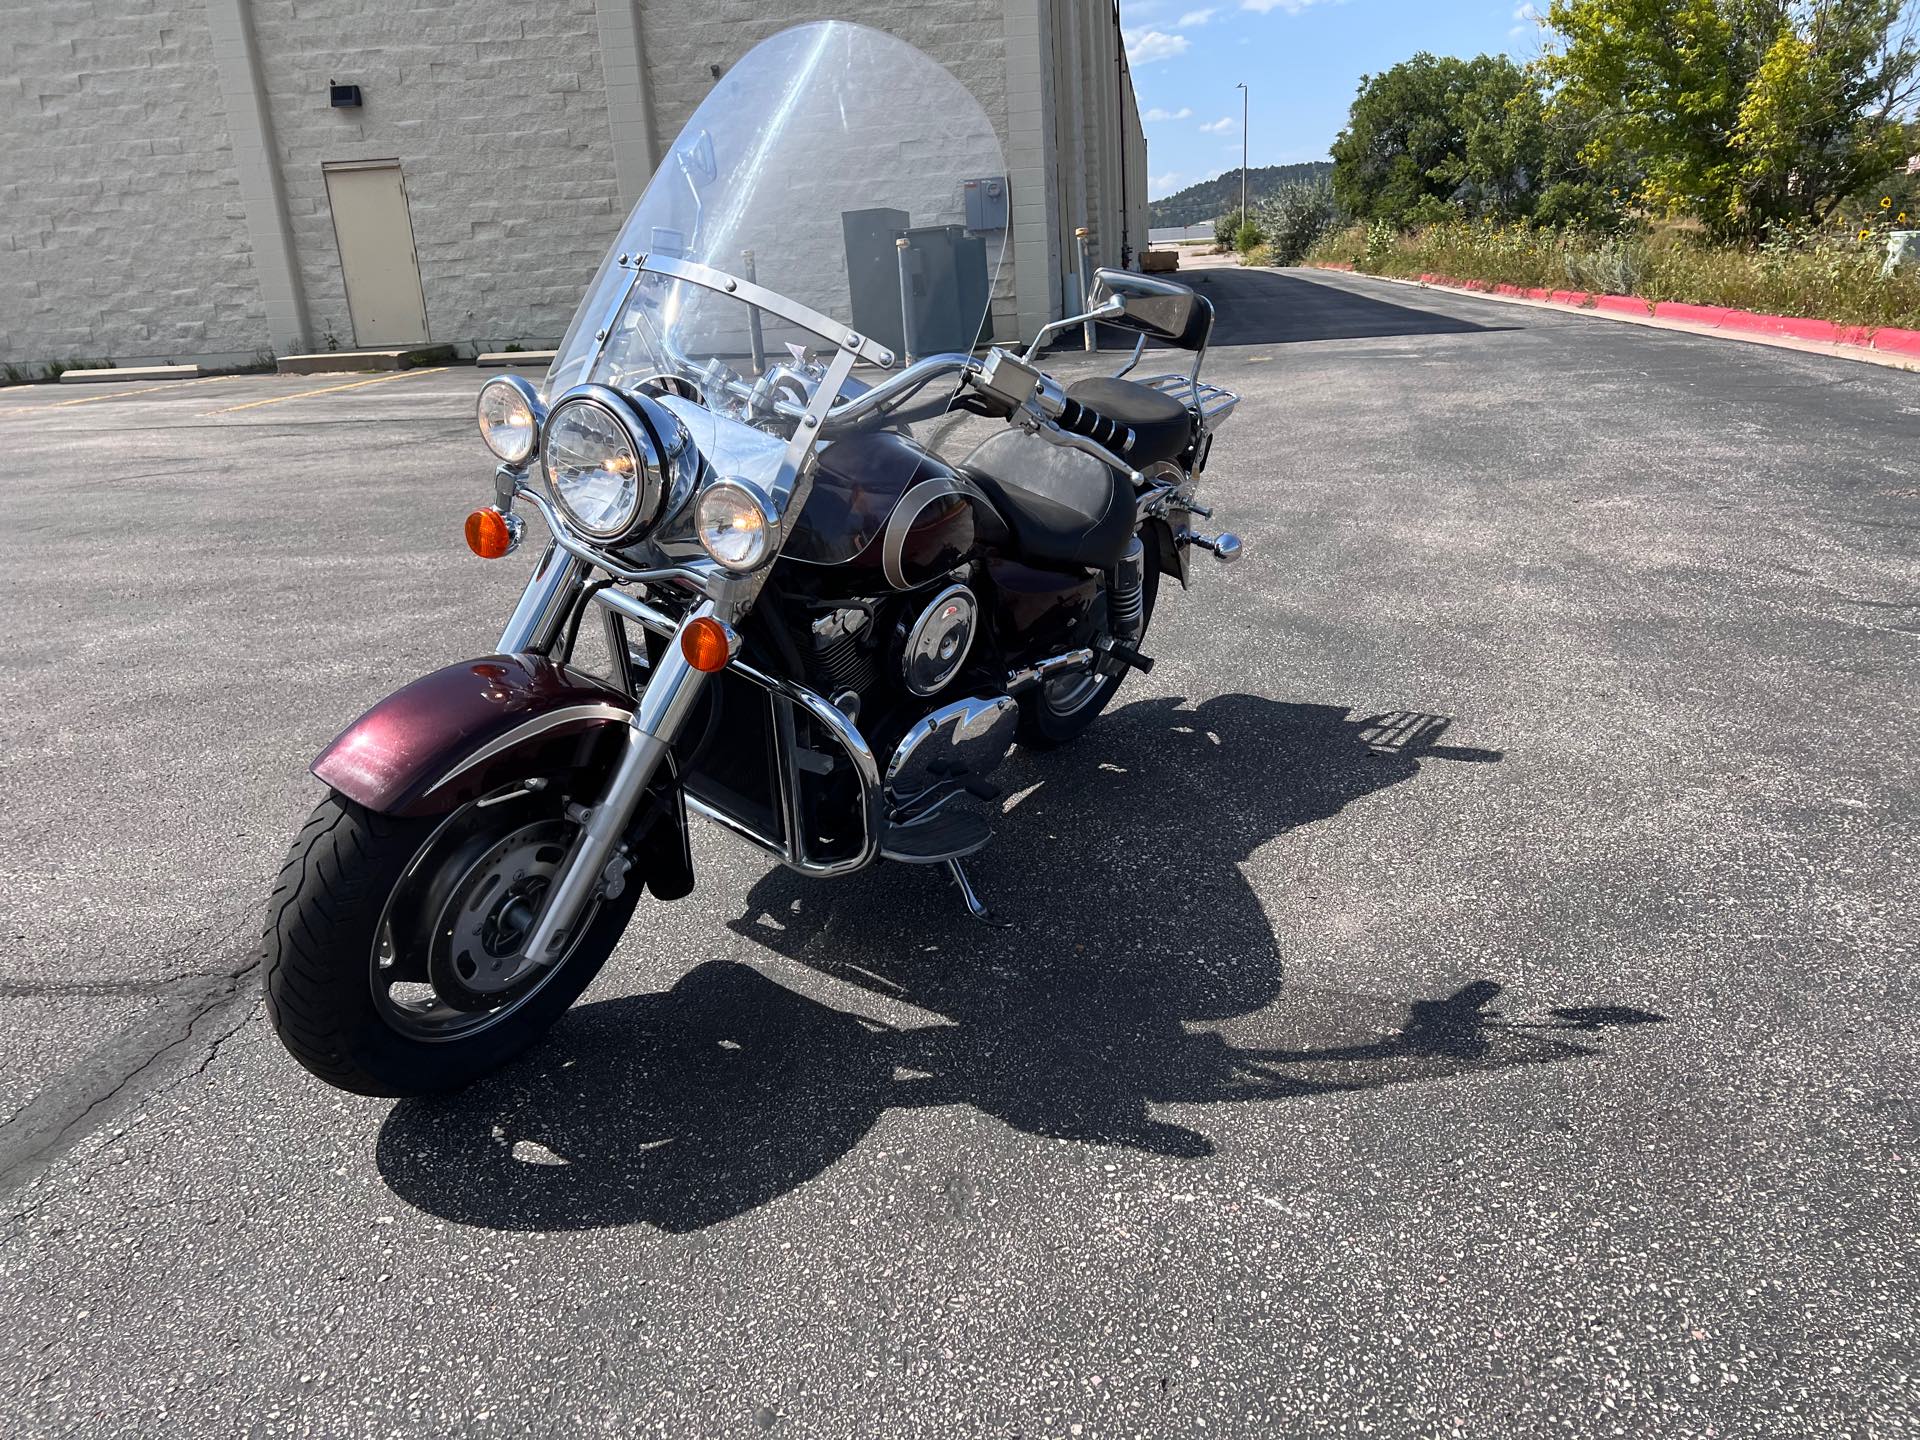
(549,598)
(671,690)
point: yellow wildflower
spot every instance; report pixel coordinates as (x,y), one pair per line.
(1866,234)
(1886,202)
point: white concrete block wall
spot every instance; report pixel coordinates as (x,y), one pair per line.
(122,231)
(520,138)
(497,114)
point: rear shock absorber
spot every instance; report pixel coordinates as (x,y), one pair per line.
(1126,595)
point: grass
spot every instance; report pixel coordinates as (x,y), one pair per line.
(1830,277)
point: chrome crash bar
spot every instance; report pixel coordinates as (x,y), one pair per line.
(792,850)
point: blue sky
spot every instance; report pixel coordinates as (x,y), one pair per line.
(1302,61)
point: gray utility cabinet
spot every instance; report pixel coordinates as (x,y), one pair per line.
(946,274)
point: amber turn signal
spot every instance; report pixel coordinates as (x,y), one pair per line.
(488,534)
(706,644)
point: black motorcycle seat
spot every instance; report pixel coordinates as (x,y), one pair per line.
(1064,507)
(1162,426)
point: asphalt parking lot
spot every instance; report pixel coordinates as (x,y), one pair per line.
(1465,990)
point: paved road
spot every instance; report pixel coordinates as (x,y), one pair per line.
(1466,989)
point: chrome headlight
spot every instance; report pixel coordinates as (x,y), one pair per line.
(509,416)
(733,524)
(601,464)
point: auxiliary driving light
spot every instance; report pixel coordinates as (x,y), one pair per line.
(509,414)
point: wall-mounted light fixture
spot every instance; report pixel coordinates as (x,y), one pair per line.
(343,97)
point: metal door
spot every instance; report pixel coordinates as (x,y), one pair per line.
(374,233)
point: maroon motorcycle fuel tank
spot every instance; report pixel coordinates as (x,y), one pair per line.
(887,511)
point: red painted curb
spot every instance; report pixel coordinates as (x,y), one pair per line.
(1623,305)
(1902,342)
(1692,314)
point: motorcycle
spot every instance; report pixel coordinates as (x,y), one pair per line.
(821,635)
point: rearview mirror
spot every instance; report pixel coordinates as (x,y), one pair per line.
(1162,309)
(696,158)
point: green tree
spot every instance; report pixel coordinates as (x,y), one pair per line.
(1401,136)
(1435,137)
(1741,113)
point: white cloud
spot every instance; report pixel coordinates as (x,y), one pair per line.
(1292,7)
(1151,45)
(1226,124)
(1158,185)
(1198,17)
(1185,112)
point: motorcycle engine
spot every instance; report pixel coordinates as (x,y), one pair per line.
(841,657)
(928,647)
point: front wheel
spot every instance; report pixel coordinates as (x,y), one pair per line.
(393,948)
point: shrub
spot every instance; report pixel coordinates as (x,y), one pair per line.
(1246,237)
(1345,246)
(1295,218)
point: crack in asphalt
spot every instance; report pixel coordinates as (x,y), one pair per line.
(94,989)
(130,1067)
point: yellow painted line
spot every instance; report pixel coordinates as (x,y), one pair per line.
(329,389)
(121,394)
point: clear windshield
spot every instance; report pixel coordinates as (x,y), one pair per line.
(803,169)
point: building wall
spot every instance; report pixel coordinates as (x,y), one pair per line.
(498,115)
(122,232)
(523,132)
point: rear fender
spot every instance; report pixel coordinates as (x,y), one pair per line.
(1157,535)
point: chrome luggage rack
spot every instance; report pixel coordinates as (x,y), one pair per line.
(1213,403)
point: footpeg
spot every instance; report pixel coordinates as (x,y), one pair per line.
(1128,655)
(1225,546)
(946,834)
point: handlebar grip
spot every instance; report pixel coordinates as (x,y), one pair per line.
(1081,420)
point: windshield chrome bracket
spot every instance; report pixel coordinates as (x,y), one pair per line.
(795,478)
(771,301)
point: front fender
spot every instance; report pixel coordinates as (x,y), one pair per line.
(456,734)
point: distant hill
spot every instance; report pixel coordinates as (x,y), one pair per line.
(1211,199)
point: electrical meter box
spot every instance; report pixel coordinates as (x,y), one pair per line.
(873,271)
(986,203)
(938,283)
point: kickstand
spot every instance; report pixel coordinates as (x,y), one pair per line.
(976,907)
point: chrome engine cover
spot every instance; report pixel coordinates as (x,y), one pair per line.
(938,641)
(967,738)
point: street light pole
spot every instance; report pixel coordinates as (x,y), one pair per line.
(1245,94)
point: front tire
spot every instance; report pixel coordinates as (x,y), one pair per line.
(367,907)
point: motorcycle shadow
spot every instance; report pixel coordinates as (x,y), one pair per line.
(1141,972)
